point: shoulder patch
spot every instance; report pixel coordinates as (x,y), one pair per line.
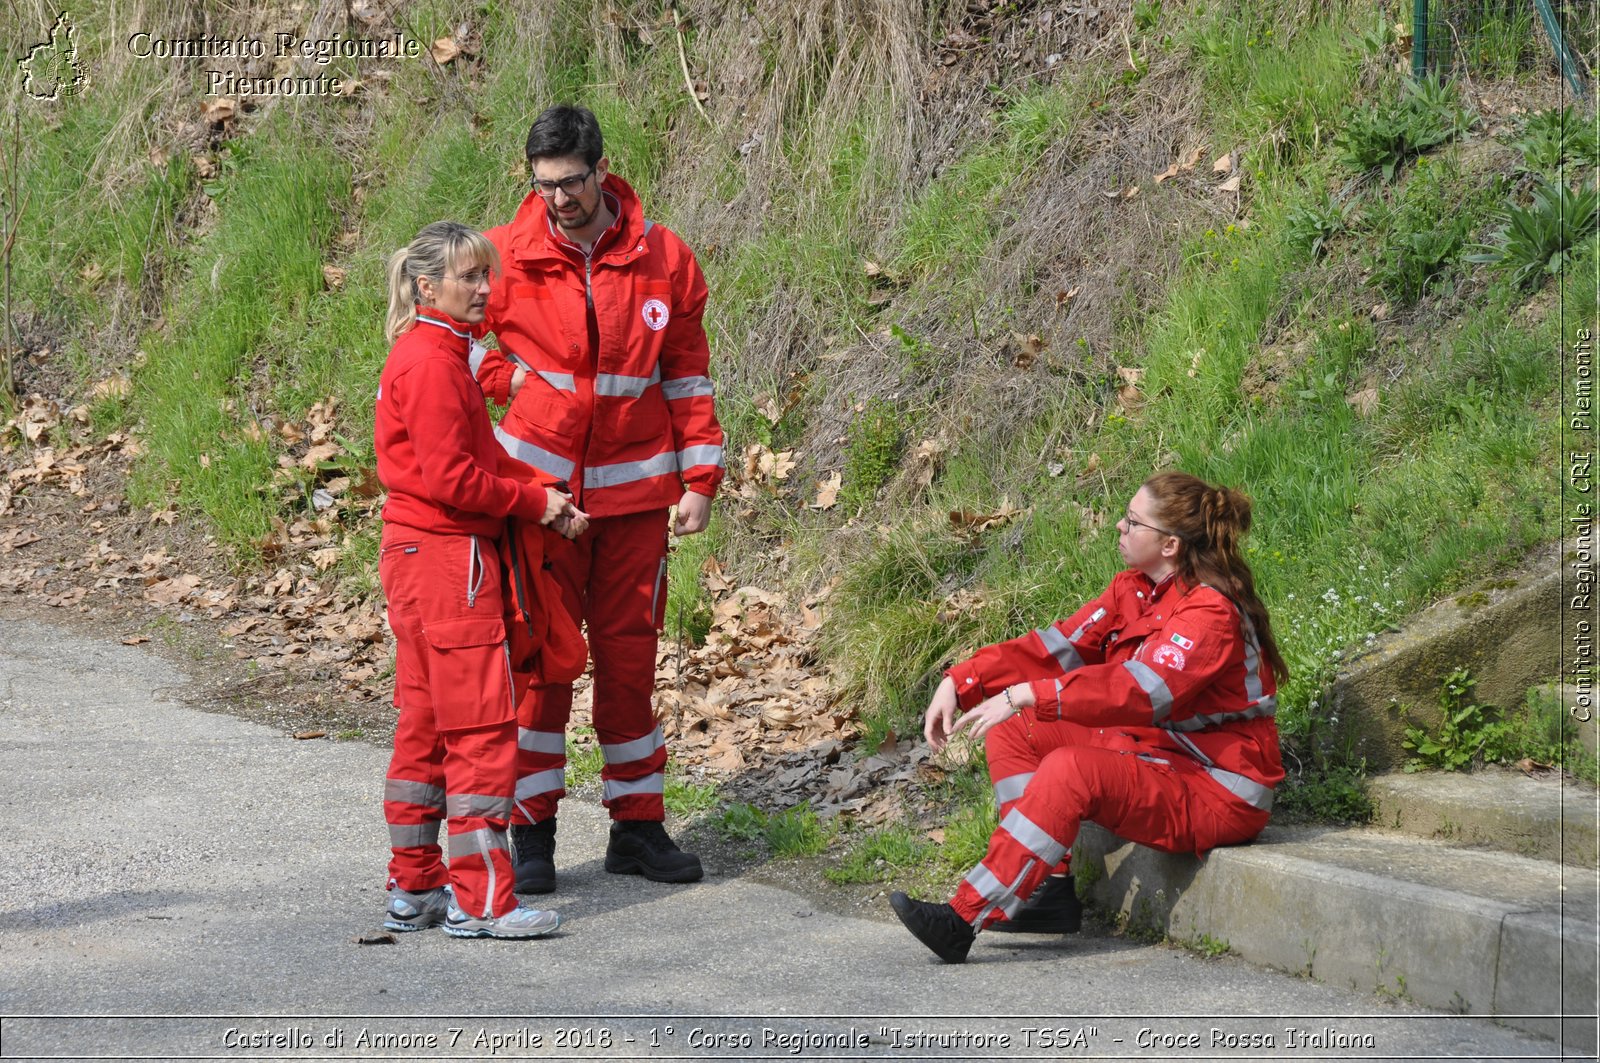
(1169,656)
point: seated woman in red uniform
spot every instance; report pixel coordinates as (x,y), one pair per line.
(1148,711)
(455,743)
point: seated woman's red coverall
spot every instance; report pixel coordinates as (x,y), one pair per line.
(455,744)
(1154,719)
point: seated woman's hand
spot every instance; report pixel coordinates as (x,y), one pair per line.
(941,715)
(994,711)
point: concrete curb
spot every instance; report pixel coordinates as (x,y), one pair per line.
(1468,931)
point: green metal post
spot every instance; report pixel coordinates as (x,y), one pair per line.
(1552,26)
(1419,39)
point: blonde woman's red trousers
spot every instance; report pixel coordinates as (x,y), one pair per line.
(456,740)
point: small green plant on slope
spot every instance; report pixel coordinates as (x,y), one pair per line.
(1423,232)
(1538,240)
(1312,225)
(874,451)
(1428,113)
(1461,734)
(1556,144)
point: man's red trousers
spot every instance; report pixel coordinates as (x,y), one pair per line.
(456,740)
(1049,777)
(613,578)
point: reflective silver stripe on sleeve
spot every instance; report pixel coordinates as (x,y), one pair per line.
(515,357)
(650,784)
(541,741)
(411,792)
(486,805)
(541,782)
(706,454)
(1030,834)
(475,356)
(637,749)
(1243,787)
(1011,787)
(477,843)
(413,835)
(687,387)
(525,452)
(997,893)
(559,381)
(615,385)
(1267,706)
(1065,653)
(1153,686)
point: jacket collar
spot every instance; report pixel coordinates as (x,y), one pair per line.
(533,237)
(449,332)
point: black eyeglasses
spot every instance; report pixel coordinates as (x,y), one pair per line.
(1134,522)
(570,185)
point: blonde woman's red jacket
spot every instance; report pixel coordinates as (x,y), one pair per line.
(437,453)
(1164,669)
(629,425)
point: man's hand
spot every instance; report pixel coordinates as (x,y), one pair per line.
(694,511)
(518,375)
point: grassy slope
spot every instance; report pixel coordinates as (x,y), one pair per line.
(839,137)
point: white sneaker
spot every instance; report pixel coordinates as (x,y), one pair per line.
(520,922)
(418,911)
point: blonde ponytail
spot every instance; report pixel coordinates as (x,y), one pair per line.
(402,297)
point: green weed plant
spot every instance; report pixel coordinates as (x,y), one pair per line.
(1539,240)
(1420,116)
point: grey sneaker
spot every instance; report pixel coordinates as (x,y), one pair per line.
(520,922)
(418,911)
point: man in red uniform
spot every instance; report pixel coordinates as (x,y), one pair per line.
(604,362)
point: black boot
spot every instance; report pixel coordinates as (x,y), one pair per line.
(533,850)
(936,926)
(1054,908)
(641,847)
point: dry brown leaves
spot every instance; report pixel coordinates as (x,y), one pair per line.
(748,693)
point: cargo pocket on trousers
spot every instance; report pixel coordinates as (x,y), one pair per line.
(469,672)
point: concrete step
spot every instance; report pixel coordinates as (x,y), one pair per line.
(1470,931)
(1549,819)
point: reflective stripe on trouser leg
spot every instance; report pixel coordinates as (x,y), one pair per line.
(626,559)
(413,803)
(481,766)
(541,764)
(1021,853)
(1013,750)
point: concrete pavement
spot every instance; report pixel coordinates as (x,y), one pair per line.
(183,884)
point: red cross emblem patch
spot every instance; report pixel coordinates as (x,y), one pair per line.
(656,314)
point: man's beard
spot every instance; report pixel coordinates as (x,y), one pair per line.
(576,221)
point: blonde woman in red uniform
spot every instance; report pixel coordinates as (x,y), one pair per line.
(455,744)
(1148,711)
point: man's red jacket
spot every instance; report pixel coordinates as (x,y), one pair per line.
(437,454)
(629,426)
(1172,668)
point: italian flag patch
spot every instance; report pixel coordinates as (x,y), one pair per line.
(1179,640)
